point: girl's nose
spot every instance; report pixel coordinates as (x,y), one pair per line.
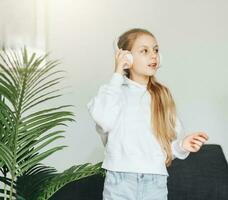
(154,55)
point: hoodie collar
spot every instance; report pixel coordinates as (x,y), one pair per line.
(133,84)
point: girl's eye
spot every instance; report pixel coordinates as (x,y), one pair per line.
(144,50)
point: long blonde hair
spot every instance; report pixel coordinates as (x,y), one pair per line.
(163,109)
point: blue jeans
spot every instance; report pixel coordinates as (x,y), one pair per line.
(134,186)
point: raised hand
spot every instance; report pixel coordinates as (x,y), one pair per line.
(193,142)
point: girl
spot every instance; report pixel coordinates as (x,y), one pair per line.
(136,118)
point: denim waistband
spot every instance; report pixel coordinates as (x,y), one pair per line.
(137,176)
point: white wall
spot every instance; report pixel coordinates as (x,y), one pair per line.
(23,23)
(193,39)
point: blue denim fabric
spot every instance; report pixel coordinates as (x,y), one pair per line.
(134,186)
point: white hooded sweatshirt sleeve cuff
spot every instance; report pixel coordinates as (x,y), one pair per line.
(105,107)
(177,149)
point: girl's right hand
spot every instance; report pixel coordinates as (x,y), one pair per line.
(121,61)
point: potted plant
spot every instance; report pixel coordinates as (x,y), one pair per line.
(28,82)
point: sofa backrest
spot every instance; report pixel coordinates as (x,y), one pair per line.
(201,176)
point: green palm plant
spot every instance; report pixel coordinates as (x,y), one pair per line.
(74,173)
(27,82)
(30,184)
(42,182)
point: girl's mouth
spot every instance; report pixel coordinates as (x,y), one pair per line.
(153,65)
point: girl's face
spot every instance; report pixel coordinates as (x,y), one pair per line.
(146,58)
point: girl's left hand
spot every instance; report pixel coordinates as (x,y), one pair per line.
(194,141)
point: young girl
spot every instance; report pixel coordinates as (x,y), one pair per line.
(136,118)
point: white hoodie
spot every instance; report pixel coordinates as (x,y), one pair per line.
(121,112)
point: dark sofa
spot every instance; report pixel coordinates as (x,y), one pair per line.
(201,176)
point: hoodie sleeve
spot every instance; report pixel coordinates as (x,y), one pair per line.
(105,107)
(176,145)
(103,135)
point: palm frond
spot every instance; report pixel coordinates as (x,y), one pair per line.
(74,173)
(30,183)
(26,82)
